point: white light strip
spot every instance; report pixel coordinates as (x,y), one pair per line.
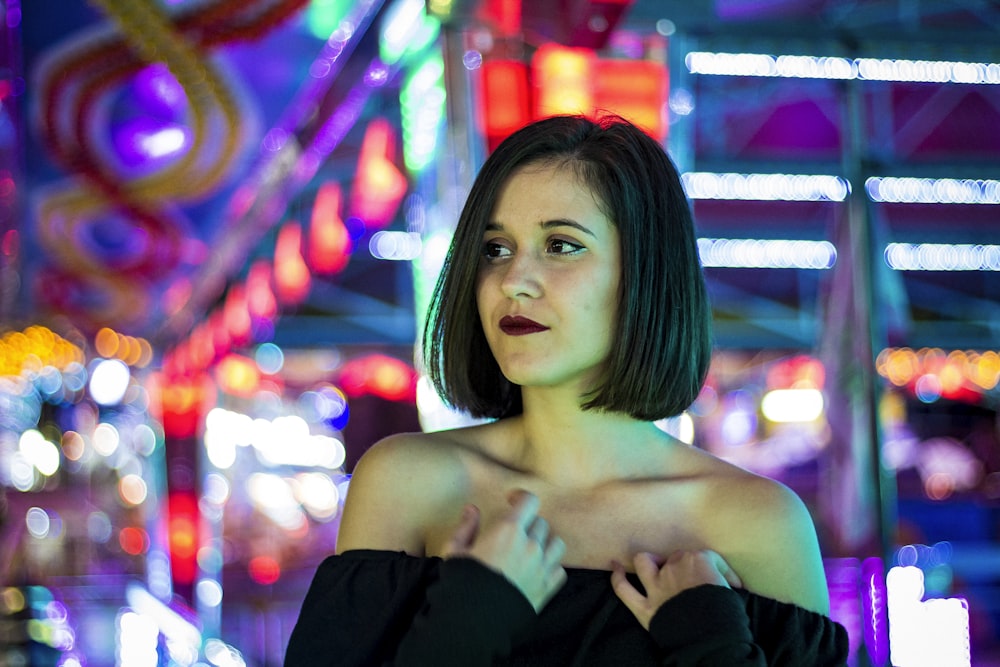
(942,257)
(813,67)
(933,191)
(759,64)
(819,187)
(396,246)
(765,187)
(929,71)
(766,254)
(168,621)
(786,254)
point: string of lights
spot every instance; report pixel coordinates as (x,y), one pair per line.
(826,67)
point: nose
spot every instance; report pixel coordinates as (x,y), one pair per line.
(521,278)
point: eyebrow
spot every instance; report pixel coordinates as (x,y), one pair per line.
(547,224)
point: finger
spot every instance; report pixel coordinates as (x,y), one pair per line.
(554,551)
(465,533)
(624,589)
(556,579)
(559,577)
(514,496)
(524,508)
(539,531)
(728,573)
(646,568)
(677,556)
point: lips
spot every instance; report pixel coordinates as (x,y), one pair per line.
(520,326)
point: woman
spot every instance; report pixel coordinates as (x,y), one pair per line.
(569,529)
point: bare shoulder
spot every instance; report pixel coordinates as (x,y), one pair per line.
(766,533)
(396,487)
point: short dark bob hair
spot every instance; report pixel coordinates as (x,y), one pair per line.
(662,345)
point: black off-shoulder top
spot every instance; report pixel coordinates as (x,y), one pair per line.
(369,607)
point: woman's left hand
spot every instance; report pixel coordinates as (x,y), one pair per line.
(665,579)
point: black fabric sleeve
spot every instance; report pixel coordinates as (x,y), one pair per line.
(376,608)
(705,626)
(714,626)
(472,614)
(796,637)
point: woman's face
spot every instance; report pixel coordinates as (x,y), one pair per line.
(548,282)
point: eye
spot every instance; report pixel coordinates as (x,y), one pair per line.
(493,251)
(564,247)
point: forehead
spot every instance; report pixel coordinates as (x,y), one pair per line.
(545,190)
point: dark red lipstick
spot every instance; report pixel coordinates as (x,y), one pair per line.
(520,326)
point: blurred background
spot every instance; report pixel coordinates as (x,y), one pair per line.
(220,221)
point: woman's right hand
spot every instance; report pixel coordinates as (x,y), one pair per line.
(519,545)
(663,580)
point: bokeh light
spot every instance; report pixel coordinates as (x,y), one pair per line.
(109,379)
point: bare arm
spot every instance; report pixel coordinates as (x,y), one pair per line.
(385,508)
(768,537)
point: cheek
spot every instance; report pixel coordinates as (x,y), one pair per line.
(596,303)
(608,297)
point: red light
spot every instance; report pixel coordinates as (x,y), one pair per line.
(183,536)
(798,372)
(379,375)
(181,401)
(264,570)
(134,541)
(506,106)
(291,275)
(564,78)
(260,298)
(237,315)
(505,15)
(221,339)
(329,242)
(379,187)
(635,90)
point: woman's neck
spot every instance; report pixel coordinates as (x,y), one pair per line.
(568,446)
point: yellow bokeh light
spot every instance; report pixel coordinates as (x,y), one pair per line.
(106,343)
(953,370)
(986,372)
(13,601)
(951,377)
(35,348)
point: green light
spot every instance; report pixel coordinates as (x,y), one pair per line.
(422,103)
(324,16)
